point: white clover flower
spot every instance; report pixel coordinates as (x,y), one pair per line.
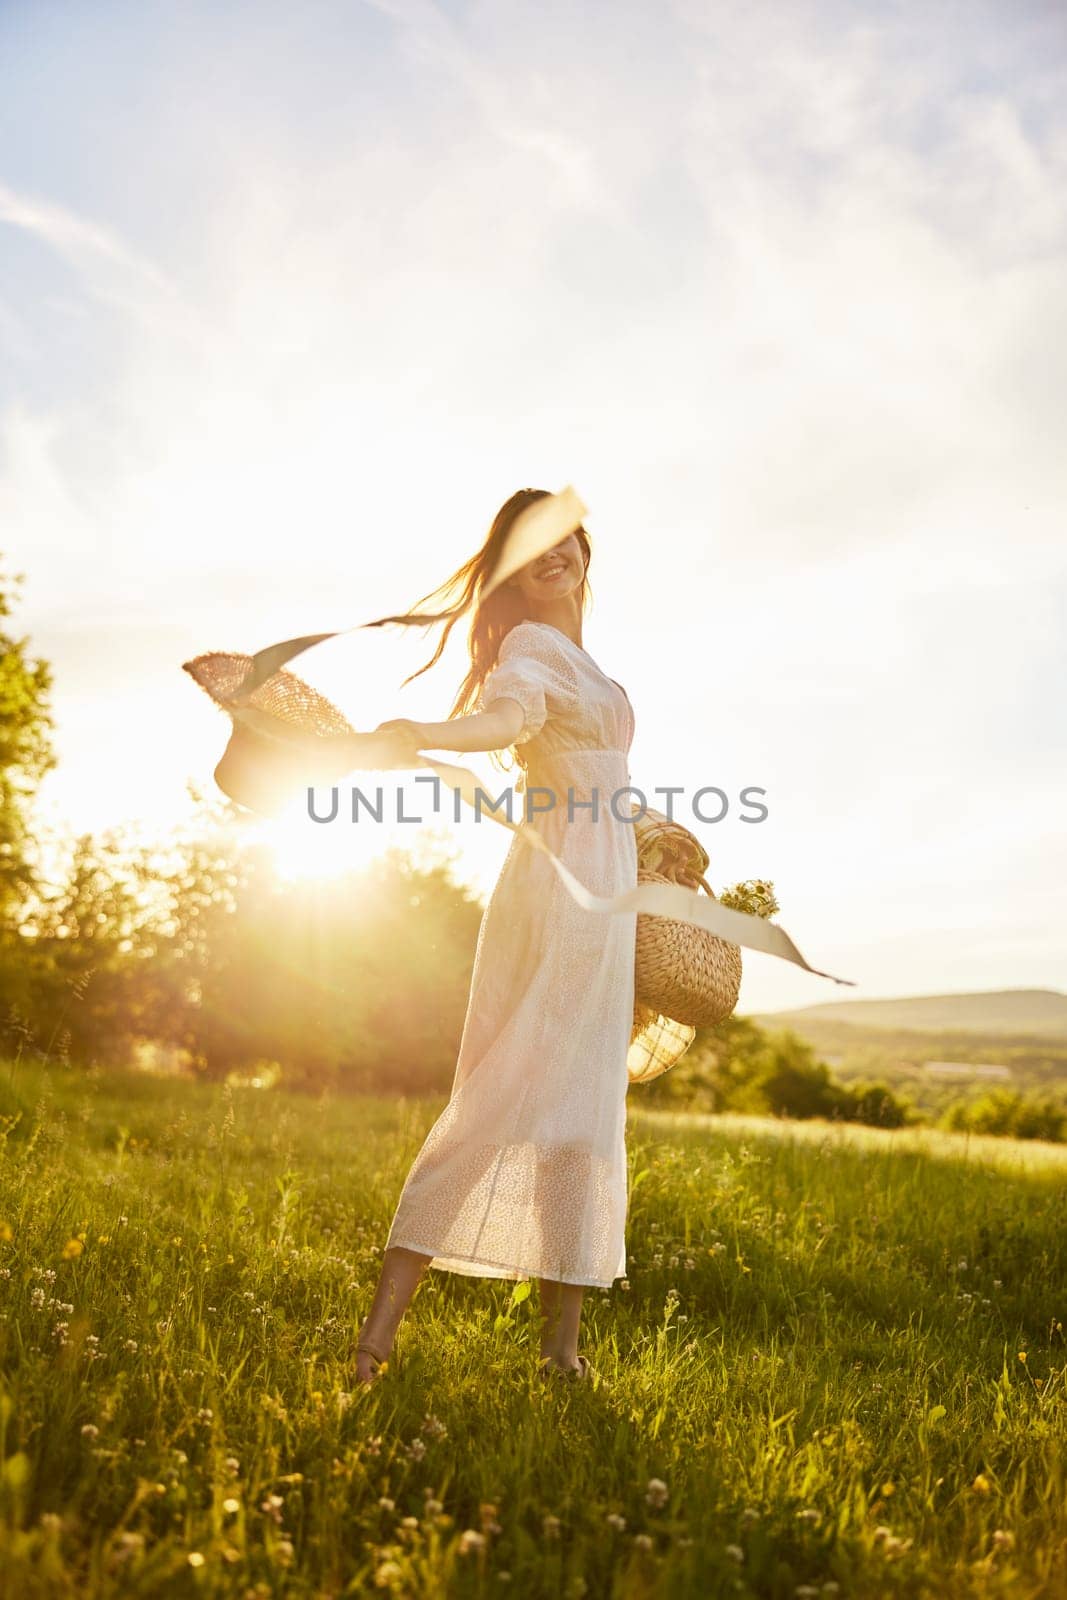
(272,1507)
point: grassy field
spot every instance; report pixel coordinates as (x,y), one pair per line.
(836,1367)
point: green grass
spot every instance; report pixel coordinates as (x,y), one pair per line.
(817,1350)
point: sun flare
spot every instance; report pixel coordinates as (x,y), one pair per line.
(303,849)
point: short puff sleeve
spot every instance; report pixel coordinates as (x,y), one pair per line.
(534,669)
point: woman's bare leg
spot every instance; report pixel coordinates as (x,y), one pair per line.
(561,1317)
(400,1276)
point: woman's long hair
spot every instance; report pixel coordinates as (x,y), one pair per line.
(492,619)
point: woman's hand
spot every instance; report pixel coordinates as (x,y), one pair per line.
(393,745)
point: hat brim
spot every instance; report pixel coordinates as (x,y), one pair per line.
(266,775)
(286,736)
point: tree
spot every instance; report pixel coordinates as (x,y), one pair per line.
(877,1105)
(26,754)
(798,1083)
(90,939)
(1007,1112)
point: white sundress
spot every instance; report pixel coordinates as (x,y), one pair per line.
(524,1172)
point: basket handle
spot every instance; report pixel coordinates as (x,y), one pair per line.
(703,883)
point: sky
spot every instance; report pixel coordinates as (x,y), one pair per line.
(293,298)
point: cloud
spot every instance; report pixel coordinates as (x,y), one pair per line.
(105,266)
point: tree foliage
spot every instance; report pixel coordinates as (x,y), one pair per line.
(26,754)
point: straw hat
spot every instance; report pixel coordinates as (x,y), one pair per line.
(285,735)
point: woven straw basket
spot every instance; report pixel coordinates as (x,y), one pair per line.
(681,972)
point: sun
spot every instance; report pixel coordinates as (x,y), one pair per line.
(304,850)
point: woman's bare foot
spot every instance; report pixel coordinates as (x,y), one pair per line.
(577,1368)
(401,1272)
(561,1317)
(371,1355)
(557,1354)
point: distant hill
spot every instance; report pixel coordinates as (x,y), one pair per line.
(1040,1013)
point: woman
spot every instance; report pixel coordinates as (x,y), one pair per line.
(524,1172)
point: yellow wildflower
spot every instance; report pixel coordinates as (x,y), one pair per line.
(72,1250)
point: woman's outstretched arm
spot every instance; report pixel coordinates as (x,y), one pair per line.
(495,729)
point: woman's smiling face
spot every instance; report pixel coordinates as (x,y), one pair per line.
(552,576)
